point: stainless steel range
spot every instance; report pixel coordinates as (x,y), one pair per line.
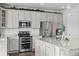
(25,41)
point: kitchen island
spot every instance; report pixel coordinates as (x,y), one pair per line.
(53,47)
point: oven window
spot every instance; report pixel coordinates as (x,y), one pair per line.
(25,46)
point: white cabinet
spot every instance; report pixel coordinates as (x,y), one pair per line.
(37,47)
(21,15)
(42,48)
(24,15)
(35,19)
(9,18)
(48,49)
(64,52)
(50,17)
(0,17)
(15,19)
(33,42)
(27,15)
(58,18)
(13,44)
(57,51)
(43,16)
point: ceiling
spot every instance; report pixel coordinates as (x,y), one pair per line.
(46,6)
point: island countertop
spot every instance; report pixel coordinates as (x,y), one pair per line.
(60,43)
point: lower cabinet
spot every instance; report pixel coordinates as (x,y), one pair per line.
(49,51)
(37,48)
(43,48)
(12,44)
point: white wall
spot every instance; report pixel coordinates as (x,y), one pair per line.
(71,22)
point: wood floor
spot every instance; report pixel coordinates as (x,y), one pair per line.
(29,53)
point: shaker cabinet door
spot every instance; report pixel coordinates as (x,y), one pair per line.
(42,48)
(27,15)
(48,49)
(9,18)
(58,18)
(35,19)
(37,47)
(43,16)
(21,15)
(49,17)
(15,19)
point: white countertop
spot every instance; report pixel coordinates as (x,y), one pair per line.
(53,40)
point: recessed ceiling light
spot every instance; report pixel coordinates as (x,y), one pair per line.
(68,6)
(42,4)
(63,7)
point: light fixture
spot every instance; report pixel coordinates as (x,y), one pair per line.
(63,7)
(68,6)
(42,4)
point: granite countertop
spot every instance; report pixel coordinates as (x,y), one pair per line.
(52,40)
(59,43)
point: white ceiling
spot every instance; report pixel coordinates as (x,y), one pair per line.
(47,6)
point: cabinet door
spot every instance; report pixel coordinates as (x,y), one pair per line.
(33,42)
(3,47)
(58,18)
(42,48)
(57,51)
(0,18)
(64,52)
(21,15)
(37,47)
(49,17)
(35,19)
(43,16)
(15,19)
(27,15)
(49,49)
(13,44)
(9,18)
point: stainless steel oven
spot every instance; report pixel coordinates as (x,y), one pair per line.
(25,41)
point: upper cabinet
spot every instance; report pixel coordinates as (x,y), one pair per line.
(9,18)
(2,18)
(58,18)
(24,15)
(27,15)
(50,17)
(15,21)
(35,16)
(21,15)
(12,18)
(43,16)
